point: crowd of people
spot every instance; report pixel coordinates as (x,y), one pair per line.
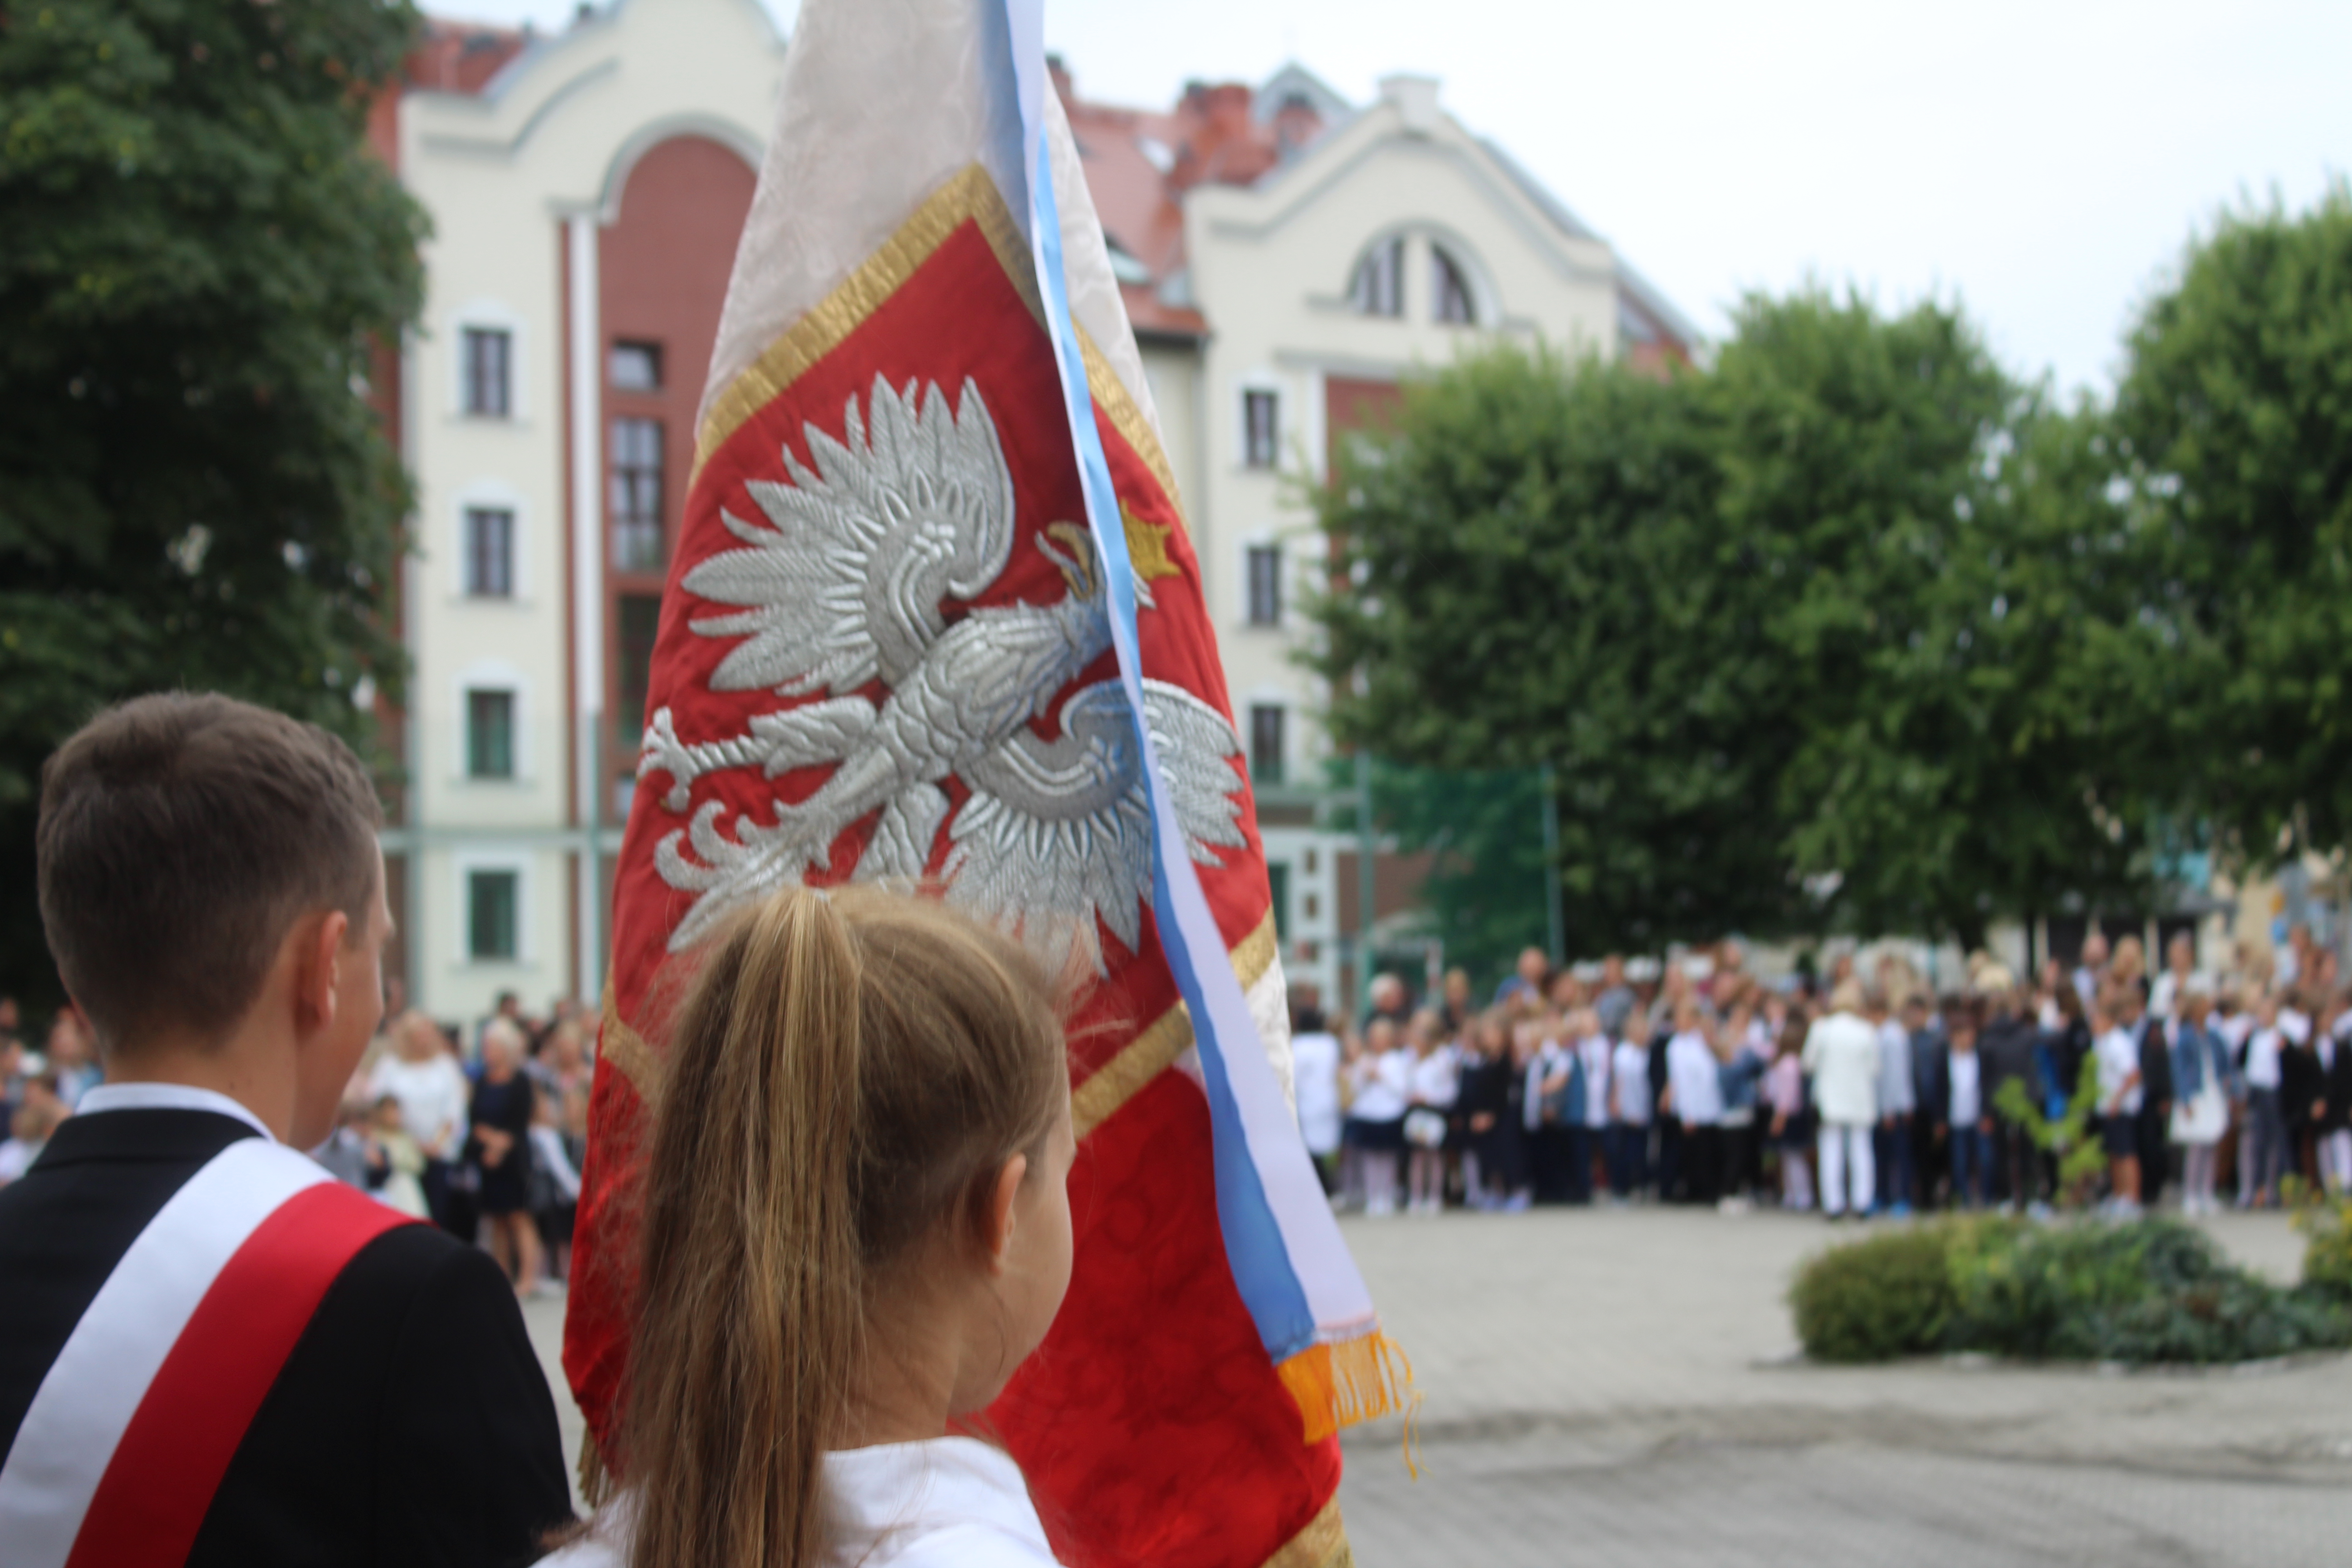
(481,1130)
(1851,1094)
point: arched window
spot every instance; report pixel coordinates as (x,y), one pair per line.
(1378,288)
(1450,289)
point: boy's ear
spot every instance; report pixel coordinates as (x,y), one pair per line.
(316,970)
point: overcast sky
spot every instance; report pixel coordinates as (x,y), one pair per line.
(2044,163)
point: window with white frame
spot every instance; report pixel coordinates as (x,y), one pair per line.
(1265,584)
(493,915)
(637,495)
(1378,288)
(1450,289)
(1266,742)
(489,735)
(1261,428)
(489,552)
(489,354)
(634,366)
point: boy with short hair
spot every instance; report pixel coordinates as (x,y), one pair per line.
(211,1353)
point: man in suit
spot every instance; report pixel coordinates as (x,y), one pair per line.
(209,1353)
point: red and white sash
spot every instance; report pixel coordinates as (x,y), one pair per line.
(129,1435)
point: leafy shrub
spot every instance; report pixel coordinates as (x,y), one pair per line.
(2327,1255)
(2154,1290)
(1873,1300)
(2082,1158)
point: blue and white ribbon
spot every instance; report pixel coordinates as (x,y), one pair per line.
(1296,1277)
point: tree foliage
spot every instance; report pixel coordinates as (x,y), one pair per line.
(1537,575)
(2235,416)
(199,258)
(1821,635)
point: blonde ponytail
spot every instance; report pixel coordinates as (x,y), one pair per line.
(841,1071)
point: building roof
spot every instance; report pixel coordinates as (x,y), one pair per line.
(1140,162)
(460,57)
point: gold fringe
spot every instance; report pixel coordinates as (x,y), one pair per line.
(596,1481)
(1323,1543)
(1355,1380)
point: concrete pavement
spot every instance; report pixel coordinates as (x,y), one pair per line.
(1621,1387)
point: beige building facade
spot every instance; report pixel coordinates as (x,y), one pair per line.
(1288,259)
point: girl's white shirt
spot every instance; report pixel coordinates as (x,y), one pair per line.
(1380,1093)
(1629,1082)
(950,1502)
(1434,1080)
(2118,1061)
(1694,1074)
(1314,1074)
(1595,1051)
(2263,1058)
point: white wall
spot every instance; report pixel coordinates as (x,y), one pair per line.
(499,172)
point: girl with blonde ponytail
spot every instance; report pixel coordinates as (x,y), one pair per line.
(856,1225)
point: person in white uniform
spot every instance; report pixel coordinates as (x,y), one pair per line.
(856,1227)
(1841,1054)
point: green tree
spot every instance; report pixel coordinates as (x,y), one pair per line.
(1944,565)
(1842,631)
(199,257)
(1537,574)
(2236,412)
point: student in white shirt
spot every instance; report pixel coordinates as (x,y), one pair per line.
(1629,1109)
(803,1347)
(1967,1119)
(1381,1077)
(1432,1081)
(1594,1051)
(2120,1096)
(2262,1153)
(1694,1097)
(1315,1078)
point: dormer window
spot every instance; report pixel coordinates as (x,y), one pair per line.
(1124,264)
(1450,289)
(1378,288)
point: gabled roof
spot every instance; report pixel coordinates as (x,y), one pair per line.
(1141,163)
(1653,316)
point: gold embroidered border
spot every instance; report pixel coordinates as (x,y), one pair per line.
(626,1049)
(1155,1050)
(1322,1544)
(970,195)
(1127,418)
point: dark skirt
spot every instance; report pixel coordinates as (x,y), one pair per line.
(1379,1137)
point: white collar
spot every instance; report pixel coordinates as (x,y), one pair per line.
(166,1097)
(909,1490)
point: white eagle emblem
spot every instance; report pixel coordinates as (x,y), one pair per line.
(843,584)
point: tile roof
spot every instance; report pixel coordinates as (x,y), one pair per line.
(460,57)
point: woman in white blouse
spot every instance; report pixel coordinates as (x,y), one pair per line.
(425,1080)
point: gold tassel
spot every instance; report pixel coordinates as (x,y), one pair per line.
(1351,1382)
(596,1481)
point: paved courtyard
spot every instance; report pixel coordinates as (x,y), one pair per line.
(1620,1388)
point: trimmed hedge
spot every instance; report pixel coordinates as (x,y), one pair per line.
(1887,1297)
(2150,1290)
